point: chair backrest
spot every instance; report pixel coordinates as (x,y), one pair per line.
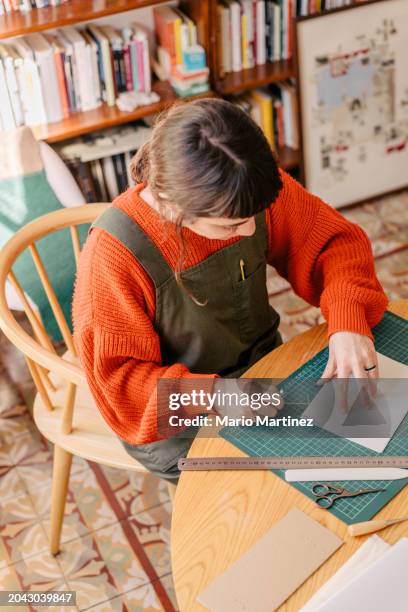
(38,350)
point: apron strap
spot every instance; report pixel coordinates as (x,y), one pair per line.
(261,232)
(117,223)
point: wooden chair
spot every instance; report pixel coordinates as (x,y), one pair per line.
(59,379)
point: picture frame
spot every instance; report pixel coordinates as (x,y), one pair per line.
(353,100)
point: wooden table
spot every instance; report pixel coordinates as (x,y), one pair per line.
(217,516)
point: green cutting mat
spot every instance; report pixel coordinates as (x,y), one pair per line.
(391,339)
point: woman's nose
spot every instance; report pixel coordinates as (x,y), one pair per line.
(248,228)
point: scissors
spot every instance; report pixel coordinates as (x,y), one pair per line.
(326,494)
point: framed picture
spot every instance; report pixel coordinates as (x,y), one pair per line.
(352,68)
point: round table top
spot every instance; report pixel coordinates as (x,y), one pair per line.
(217,516)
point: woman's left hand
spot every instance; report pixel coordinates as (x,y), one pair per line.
(352,354)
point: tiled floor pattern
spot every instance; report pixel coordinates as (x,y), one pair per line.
(115,541)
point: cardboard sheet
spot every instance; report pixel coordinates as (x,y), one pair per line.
(274,567)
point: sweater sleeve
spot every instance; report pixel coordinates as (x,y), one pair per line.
(118,346)
(327,259)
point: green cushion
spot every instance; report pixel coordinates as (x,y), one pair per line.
(23,199)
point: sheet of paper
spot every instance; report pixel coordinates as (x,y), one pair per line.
(273,568)
(382,586)
(371,425)
(372,549)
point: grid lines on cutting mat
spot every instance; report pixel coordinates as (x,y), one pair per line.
(391,339)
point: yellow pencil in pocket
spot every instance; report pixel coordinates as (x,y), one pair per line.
(242,267)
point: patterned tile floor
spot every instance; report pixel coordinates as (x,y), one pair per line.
(115,539)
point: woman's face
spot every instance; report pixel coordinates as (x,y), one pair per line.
(217,228)
(222,228)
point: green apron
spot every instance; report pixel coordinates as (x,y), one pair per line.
(235,328)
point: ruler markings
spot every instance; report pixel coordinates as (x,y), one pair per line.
(282,463)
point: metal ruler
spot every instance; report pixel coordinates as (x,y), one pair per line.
(283,463)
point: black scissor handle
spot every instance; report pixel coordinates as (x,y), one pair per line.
(324,501)
(321,489)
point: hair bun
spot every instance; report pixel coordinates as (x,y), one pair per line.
(139,164)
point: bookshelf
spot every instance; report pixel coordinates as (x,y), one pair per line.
(75,11)
(250,78)
(272,72)
(107,116)
(204,14)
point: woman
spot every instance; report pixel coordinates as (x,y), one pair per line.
(171,281)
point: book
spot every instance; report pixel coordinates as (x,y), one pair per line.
(188,30)
(110,177)
(116,45)
(127,34)
(6,110)
(86,182)
(291,4)
(277,32)
(143,58)
(269,31)
(187,83)
(247,32)
(133,62)
(109,93)
(244,40)
(167,25)
(280,125)
(98,180)
(260,30)
(236,48)
(59,61)
(74,44)
(44,57)
(68,51)
(224,37)
(92,59)
(263,100)
(83,76)
(123,172)
(100,66)
(10,57)
(28,77)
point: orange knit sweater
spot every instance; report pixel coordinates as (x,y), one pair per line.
(327,260)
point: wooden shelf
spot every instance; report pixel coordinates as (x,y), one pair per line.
(288,158)
(76,11)
(270,72)
(18,23)
(107,116)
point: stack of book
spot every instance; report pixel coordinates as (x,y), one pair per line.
(46,77)
(100,161)
(253,32)
(180,58)
(8,6)
(274,109)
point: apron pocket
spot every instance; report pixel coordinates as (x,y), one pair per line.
(252,309)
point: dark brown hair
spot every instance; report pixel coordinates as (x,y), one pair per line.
(211,159)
